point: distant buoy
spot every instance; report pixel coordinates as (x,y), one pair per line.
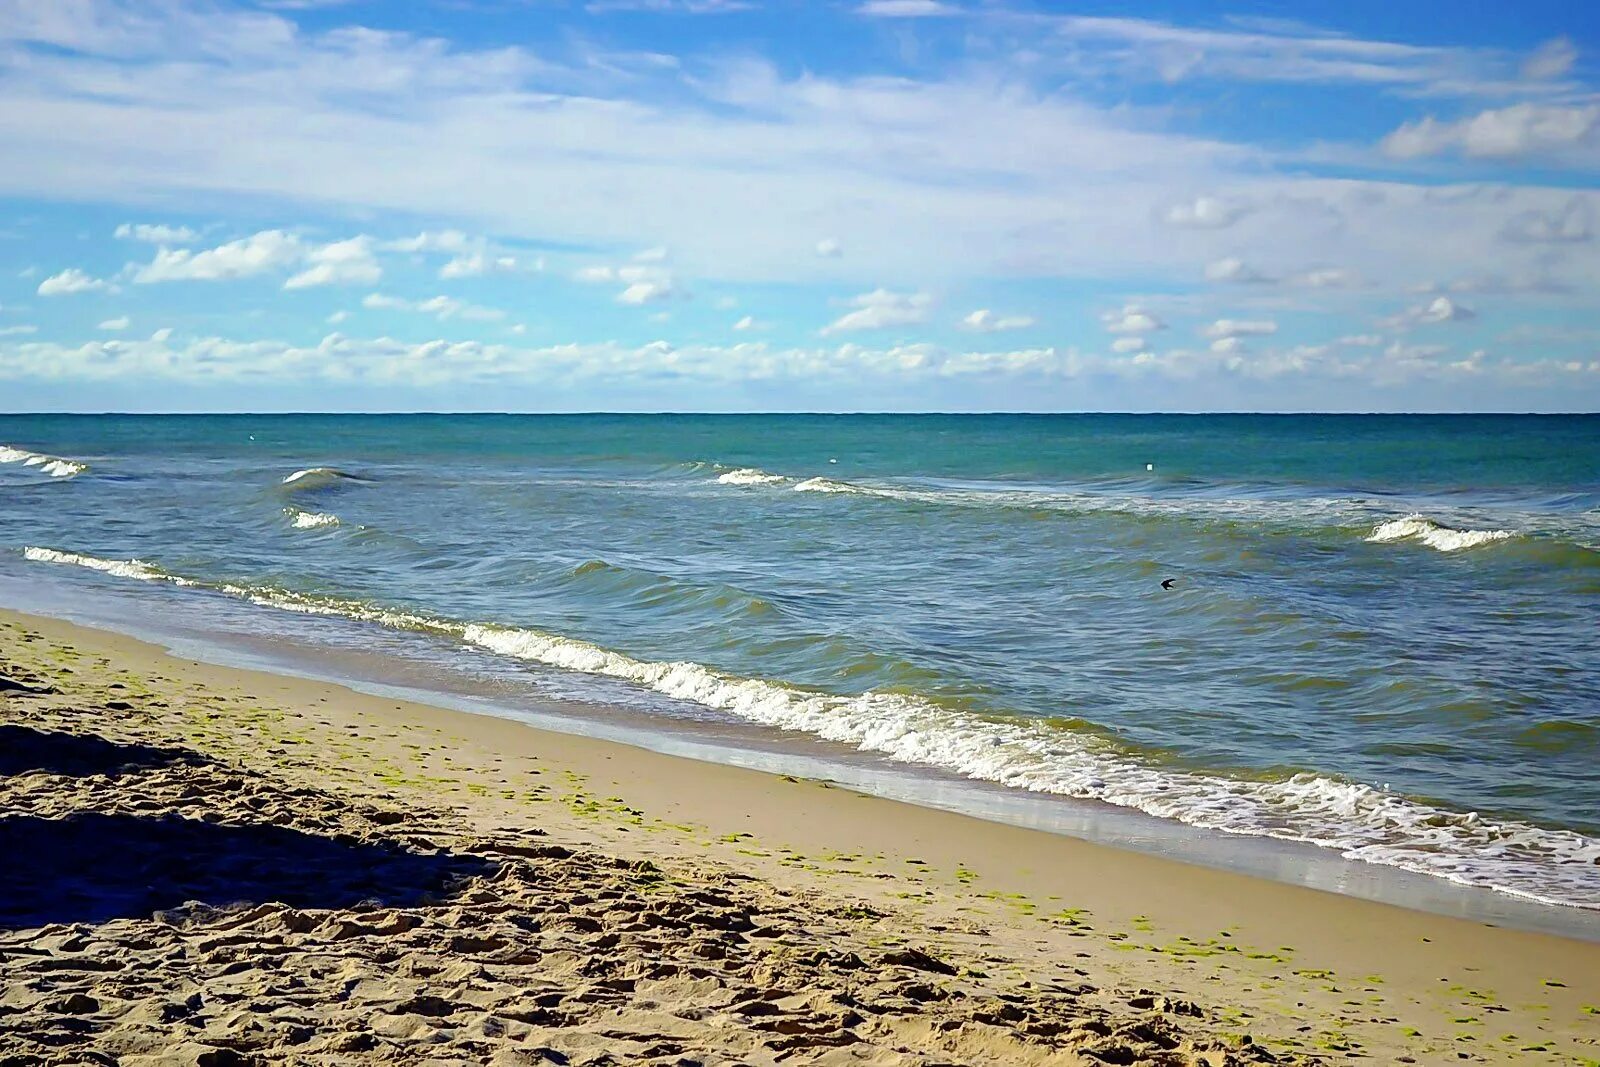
(1149,466)
(833,461)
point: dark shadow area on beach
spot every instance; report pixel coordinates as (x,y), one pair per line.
(91,867)
(24,750)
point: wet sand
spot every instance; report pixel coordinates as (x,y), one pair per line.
(206,865)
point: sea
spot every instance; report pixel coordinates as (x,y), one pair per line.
(1369,638)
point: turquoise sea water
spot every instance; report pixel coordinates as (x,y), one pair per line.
(1382,635)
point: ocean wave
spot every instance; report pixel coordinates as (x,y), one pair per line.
(1360,821)
(310,520)
(317,478)
(750,476)
(122,568)
(1426,531)
(54,466)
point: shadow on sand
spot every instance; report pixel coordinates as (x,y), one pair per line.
(90,866)
(24,750)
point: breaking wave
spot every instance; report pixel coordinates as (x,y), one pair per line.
(317,478)
(1425,531)
(310,520)
(54,466)
(750,476)
(1359,821)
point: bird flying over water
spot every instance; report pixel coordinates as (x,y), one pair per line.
(1166,583)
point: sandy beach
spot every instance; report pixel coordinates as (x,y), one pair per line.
(214,866)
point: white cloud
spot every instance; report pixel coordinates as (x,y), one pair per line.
(1439,309)
(347,262)
(477,264)
(440,307)
(1233,269)
(1129,344)
(1131,319)
(337,317)
(18,331)
(1571,223)
(157,233)
(1229,345)
(116,324)
(829,248)
(1205,213)
(1225,328)
(658,254)
(162,335)
(643,283)
(907,9)
(1328,278)
(748,323)
(267,250)
(1515,132)
(72,280)
(881,309)
(644,292)
(985,321)
(1553,59)
(448,241)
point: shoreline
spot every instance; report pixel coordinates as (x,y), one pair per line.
(1267,957)
(223,633)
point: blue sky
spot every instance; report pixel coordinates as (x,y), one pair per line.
(724,205)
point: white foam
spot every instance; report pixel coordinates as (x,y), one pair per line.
(1360,821)
(750,476)
(310,520)
(1433,534)
(54,466)
(122,568)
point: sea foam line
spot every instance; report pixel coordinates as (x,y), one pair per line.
(1359,821)
(54,466)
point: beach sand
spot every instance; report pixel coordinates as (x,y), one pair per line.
(204,865)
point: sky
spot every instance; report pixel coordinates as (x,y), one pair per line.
(744,205)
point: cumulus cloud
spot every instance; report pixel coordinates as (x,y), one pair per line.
(1228,335)
(828,248)
(18,331)
(348,262)
(116,324)
(646,291)
(881,309)
(70,281)
(985,321)
(157,233)
(748,323)
(1439,309)
(1131,319)
(162,335)
(477,264)
(1205,213)
(643,283)
(1129,344)
(1515,132)
(267,250)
